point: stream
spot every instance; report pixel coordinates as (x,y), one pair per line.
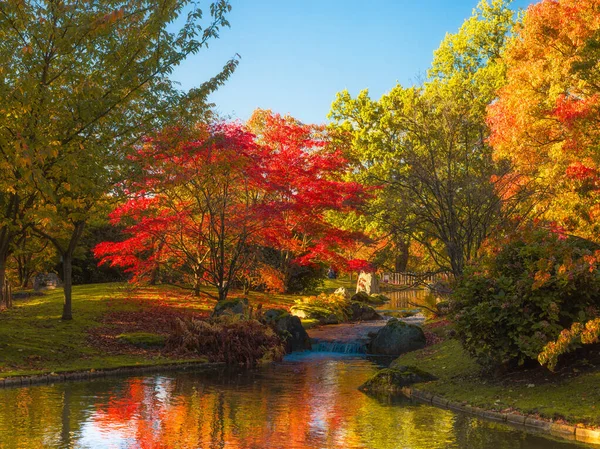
(309,400)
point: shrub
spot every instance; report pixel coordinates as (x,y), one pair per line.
(519,298)
(325,308)
(227,339)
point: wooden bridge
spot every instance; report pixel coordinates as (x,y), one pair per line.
(411,279)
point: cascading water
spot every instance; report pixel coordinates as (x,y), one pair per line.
(344,347)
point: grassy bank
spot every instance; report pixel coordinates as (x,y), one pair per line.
(571,395)
(33,339)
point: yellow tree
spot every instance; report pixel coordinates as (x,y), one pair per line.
(545,120)
(81,81)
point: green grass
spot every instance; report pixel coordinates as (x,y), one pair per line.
(331,285)
(143,339)
(34,340)
(573,399)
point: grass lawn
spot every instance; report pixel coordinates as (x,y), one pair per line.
(33,339)
(572,394)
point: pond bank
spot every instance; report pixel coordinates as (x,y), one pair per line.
(567,431)
(52,378)
(563,403)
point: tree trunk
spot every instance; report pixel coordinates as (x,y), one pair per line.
(196,284)
(68,269)
(3,300)
(402,255)
(68,286)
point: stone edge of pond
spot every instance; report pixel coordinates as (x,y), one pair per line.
(48,379)
(567,431)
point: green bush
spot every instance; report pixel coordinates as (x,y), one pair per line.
(327,309)
(521,296)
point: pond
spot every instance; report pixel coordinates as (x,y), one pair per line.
(310,400)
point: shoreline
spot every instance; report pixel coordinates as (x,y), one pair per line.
(565,431)
(82,375)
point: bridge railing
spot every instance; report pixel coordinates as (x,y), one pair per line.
(411,278)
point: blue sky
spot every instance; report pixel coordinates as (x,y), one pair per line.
(296,54)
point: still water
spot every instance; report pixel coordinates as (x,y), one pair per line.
(308,401)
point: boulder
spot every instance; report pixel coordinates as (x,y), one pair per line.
(289,328)
(237,306)
(360,297)
(392,380)
(396,338)
(367,282)
(363,312)
(46,281)
(375,300)
(378,299)
(321,314)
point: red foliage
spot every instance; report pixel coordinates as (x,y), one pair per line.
(360,265)
(209,195)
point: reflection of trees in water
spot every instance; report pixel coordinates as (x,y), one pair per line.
(401,299)
(308,405)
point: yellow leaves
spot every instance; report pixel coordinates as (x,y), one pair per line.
(540,279)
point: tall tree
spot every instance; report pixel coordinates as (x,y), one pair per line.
(82,81)
(426,146)
(209,200)
(546,118)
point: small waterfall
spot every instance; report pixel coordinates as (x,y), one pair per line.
(344,347)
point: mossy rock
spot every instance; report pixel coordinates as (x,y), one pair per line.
(363,312)
(322,314)
(143,339)
(378,299)
(360,297)
(403,313)
(236,306)
(392,380)
(396,338)
(374,300)
(273,315)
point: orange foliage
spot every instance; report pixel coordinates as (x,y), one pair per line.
(545,120)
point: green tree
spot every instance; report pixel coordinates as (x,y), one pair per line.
(82,81)
(426,146)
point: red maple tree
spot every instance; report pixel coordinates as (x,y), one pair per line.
(209,202)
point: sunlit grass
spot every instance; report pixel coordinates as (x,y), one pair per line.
(34,340)
(574,399)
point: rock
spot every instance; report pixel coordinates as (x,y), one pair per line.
(397,338)
(392,380)
(342,291)
(360,297)
(321,314)
(375,300)
(46,281)
(238,306)
(378,299)
(289,328)
(363,312)
(367,282)
(272,315)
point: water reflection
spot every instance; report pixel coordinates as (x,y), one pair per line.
(309,401)
(408,299)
